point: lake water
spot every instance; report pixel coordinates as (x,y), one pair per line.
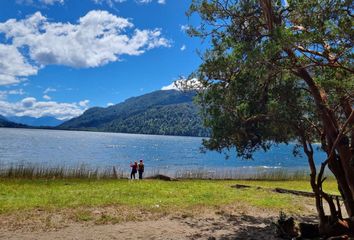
(95,149)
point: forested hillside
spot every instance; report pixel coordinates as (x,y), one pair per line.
(161,112)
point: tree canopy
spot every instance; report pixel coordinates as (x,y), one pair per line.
(279,71)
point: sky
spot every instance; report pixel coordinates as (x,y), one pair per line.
(61,57)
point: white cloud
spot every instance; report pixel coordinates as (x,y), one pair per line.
(4,94)
(28,102)
(46,97)
(33,108)
(172,86)
(84,103)
(184,84)
(16,92)
(51,2)
(110,104)
(183,47)
(97,39)
(13,66)
(149,1)
(184,28)
(112,2)
(33,2)
(49,89)
(108,2)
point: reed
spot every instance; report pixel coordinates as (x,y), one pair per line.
(81,172)
(241,174)
(27,171)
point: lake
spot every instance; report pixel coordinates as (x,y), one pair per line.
(54,148)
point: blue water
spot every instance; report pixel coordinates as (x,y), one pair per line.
(93,149)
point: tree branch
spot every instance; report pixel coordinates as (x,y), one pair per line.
(348,121)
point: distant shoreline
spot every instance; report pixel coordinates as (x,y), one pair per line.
(94,131)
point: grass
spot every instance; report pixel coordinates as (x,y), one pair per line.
(148,195)
(32,196)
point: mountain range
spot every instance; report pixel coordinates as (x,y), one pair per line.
(36,122)
(168,112)
(6,123)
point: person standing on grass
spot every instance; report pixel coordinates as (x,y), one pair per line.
(141,169)
(134,169)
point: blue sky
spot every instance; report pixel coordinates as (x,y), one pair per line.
(60,57)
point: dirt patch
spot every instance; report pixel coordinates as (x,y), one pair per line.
(209,226)
(160,229)
(48,220)
(114,222)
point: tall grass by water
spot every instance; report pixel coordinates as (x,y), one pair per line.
(84,172)
(242,174)
(38,172)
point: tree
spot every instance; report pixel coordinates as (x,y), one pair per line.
(279,71)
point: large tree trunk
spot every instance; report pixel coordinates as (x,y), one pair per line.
(333,224)
(339,151)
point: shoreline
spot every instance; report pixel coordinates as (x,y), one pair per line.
(37,171)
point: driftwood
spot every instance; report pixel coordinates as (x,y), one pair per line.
(161,177)
(283,190)
(302,193)
(240,186)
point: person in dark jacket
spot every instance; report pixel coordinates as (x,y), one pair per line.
(134,169)
(141,169)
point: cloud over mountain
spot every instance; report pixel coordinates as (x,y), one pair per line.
(184,84)
(32,107)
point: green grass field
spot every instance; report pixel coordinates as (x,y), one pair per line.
(18,195)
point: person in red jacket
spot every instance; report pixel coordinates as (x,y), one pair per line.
(134,169)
